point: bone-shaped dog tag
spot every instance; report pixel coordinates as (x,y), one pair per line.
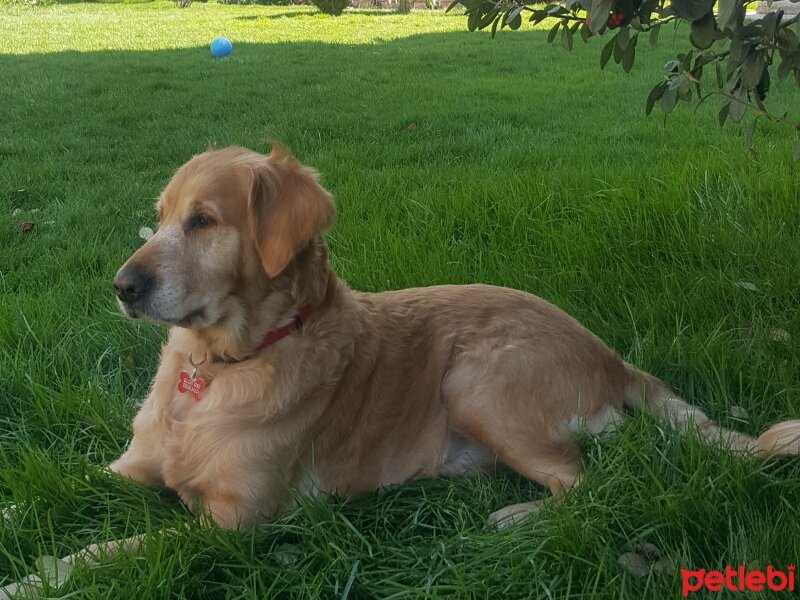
(191,385)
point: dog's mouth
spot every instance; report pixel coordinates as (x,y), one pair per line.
(129,310)
(137,311)
(190,318)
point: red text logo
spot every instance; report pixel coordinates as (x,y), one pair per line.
(737,580)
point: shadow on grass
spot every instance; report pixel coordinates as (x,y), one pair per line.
(353,12)
(283,15)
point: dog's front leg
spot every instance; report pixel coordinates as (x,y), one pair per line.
(142,460)
(244,496)
(228,512)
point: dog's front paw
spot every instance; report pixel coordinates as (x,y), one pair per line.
(136,471)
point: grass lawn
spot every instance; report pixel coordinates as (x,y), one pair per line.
(528,167)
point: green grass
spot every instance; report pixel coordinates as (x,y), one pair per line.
(528,168)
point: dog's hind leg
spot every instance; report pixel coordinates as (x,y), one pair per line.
(556,466)
(528,446)
(525,400)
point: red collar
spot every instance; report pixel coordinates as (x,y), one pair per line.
(192,384)
(281,332)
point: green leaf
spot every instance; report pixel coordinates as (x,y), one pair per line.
(787,39)
(608,49)
(762,89)
(654,34)
(515,22)
(474,18)
(488,17)
(552,35)
(786,64)
(537,16)
(677,81)
(654,96)
(698,75)
(730,13)
(768,24)
(494,26)
(703,31)
(598,15)
(668,100)
(630,55)
(691,10)
(566,39)
(622,38)
(723,113)
(720,76)
(513,19)
(618,53)
(686,60)
(753,69)
(738,105)
(586,33)
(739,49)
(748,135)
(453,4)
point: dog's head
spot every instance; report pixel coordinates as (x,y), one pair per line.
(231,223)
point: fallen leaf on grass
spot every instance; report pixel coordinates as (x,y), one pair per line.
(746,285)
(7,512)
(412,127)
(30,587)
(746,331)
(54,569)
(779,335)
(635,564)
(663,566)
(94,552)
(55,572)
(26,227)
(145,233)
(286,554)
(646,558)
(739,413)
(647,549)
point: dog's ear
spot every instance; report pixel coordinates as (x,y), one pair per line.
(288,207)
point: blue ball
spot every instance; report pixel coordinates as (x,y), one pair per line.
(221,47)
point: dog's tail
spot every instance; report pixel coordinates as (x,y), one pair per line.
(649,392)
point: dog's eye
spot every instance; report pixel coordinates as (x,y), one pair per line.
(199,221)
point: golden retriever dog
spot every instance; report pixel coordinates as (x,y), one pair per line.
(277,376)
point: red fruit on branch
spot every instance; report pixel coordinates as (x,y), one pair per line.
(615,19)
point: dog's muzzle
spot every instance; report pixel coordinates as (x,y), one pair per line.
(132,284)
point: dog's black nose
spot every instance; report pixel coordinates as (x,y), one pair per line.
(132,284)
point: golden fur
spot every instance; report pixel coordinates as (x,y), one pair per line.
(375,389)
